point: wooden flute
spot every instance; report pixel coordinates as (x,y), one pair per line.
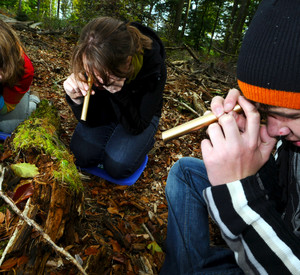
(192,125)
(86,99)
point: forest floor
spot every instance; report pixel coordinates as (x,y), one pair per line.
(118,219)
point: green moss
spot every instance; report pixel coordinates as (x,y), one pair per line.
(40,132)
(47,110)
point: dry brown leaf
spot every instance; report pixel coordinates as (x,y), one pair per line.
(108,233)
(8,217)
(115,211)
(8,264)
(92,250)
(2,217)
(22,260)
(115,245)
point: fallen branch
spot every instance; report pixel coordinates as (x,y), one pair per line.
(192,53)
(183,104)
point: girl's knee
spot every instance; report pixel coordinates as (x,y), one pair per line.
(83,156)
(117,169)
(81,159)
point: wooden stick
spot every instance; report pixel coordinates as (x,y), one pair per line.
(192,125)
(86,100)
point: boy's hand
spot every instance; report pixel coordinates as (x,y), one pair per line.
(238,147)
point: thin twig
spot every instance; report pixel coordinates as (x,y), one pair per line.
(148,232)
(183,104)
(60,80)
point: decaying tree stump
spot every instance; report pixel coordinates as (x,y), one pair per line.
(56,202)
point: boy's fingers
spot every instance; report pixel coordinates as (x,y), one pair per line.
(231,100)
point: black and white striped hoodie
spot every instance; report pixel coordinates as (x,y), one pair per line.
(259,216)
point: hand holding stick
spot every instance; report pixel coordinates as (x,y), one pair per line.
(192,125)
(86,100)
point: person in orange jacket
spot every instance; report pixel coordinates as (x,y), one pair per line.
(16,75)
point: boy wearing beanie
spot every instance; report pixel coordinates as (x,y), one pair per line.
(250,191)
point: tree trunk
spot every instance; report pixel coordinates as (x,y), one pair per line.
(38,7)
(58,7)
(178,15)
(186,17)
(20,6)
(228,33)
(50,8)
(214,28)
(57,197)
(202,29)
(237,29)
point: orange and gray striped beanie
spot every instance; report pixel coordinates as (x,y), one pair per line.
(268,68)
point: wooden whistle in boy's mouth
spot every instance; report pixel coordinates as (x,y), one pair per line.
(86,100)
(192,125)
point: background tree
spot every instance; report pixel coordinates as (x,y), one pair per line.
(187,10)
(179,4)
(237,22)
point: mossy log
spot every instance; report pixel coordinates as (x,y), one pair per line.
(57,200)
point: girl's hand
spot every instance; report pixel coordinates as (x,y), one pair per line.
(75,89)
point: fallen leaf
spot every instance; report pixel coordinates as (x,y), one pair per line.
(8,264)
(22,260)
(5,155)
(92,250)
(119,258)
(116,246)
(154,247)
(2,217)
(25,170)
(114,210)
(8,217)
(23,192)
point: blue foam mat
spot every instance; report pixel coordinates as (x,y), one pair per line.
(3,136)
(126,181)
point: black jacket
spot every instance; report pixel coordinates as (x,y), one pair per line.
(138,101)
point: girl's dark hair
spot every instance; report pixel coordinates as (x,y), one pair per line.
(11,55)
(104,46)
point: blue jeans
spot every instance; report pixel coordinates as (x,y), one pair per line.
(23,110)
(187,244)
(112,146)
